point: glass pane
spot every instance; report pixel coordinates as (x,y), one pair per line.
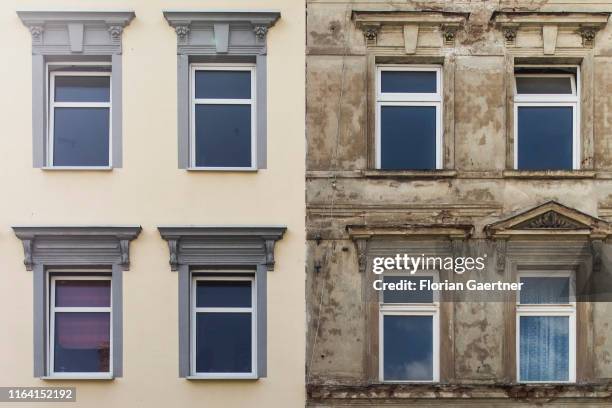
(223,294)
(81,137)
(408,137)
(82,342)
(223,343)
(544,85)
(223,135)
(545,138)
(408,81)
(85,293)
(408,348)
(223,84)
(82,88)
(544,348)
(545,290)
(408,296)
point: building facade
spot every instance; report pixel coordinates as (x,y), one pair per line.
(153,244)
(459,130)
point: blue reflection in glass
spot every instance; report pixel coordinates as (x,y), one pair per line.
(223,343)
(545,138)
(408,296)
(408,137)
(223,84)
(81,137)
(212,293)
(544,348)
(408,81)
(223,135)
(408,348)
(82,88)
(545,290)
(81,342)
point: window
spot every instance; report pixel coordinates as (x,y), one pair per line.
(80,326)
(546,115)
(224,326)
(546,327)
(79,132)
(409,331)
(223,135)
(408,113)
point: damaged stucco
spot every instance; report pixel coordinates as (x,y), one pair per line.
(477,187)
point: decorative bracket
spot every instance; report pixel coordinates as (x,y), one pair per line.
(27,253)
(509,32)
(596,251)
(449,32)
(361,243)
(370,33)
(588,34)
(501,245)
(260,30)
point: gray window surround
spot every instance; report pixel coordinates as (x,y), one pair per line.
(221,37)
(74,36)
(209,247)
(79,248)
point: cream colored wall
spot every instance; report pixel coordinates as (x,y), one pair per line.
(150,190)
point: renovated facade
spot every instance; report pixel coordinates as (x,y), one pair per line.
(153,245)
(464,129)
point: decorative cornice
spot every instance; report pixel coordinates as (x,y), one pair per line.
(550,218)
(234,244)
(105,28)
(447,23)
(453,231)
(217,25)
(79,245)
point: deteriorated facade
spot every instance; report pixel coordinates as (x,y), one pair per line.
(479,197)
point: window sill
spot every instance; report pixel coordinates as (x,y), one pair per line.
(410,174)
(549,174)
(107,377)
(228,169)
(222,377)
(79,168)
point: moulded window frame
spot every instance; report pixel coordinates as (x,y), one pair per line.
(411,309)
(550,100)
(52,104)
(193,68)
(195,277)
(545,310)
(409,99)
(52,309)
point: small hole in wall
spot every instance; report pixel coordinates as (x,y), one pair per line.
(322,356)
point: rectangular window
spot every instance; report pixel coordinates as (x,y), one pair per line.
(546,115)
(80,328)
(79,129)
(224,329)
(409,331)
(408,118)
(223,117)
(546,327)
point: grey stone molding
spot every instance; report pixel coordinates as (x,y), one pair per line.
(76,245)
(82,247)
(221,245)
(221,32)
(81,32)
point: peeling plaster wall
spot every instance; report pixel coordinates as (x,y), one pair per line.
(338,193)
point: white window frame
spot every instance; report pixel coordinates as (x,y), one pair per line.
(551,100)
(52,104)
(51,329)
(544,310)
(410,309)
(252,310)
(193,101)
(410,99)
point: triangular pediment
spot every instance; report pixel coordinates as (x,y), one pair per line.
(549,218)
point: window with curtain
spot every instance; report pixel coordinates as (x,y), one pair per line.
(80,326)
(546,322)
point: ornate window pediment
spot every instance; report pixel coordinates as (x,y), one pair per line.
(550,218)
(415,31)
(549,31)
